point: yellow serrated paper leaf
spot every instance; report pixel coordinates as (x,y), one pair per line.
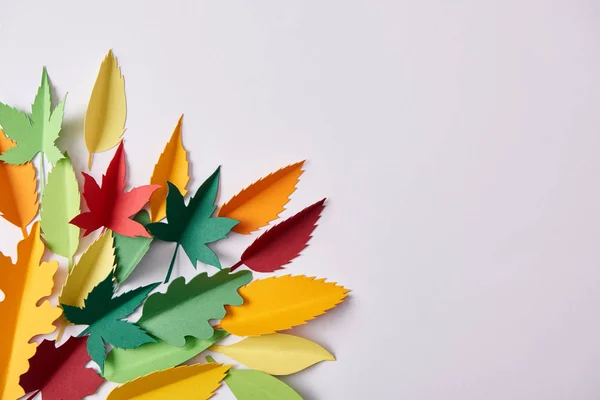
(91,269)
(24,284)
(262,201)
(198,382)
(276,354)
(172,166)
(107,109)
(279,303)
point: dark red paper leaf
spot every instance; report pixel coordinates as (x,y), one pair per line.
(60,373)
(283,242)
(109,206)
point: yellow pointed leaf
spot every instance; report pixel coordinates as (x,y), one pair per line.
(24,284)
(279,303)
(107,109)
(262,201)
(91,269)
(18,203)
(276,354)
(172,166)
(198,382)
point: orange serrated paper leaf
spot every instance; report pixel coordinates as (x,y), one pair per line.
(18,203)
(280,303)
(172,166)
(24,284)
(262,201)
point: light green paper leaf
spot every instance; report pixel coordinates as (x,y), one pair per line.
(185,309)
(125,365)
(60,204)
(131,250)
(249,384)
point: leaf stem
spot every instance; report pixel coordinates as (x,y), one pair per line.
(210,359)
(236,266)
(172,264)
(70,263)
(90,161)
(24,231)
(42,173)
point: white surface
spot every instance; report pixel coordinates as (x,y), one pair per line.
(457,141)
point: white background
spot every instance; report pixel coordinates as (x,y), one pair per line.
(457,143)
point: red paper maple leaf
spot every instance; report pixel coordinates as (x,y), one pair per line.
(109,206)
(60,373)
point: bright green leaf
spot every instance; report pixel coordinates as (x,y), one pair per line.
(130,250)
(249,384)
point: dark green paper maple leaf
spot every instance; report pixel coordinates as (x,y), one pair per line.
(35,133)
(103,313)
(193,226)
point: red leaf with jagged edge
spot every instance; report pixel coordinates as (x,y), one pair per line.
(283,242)
(60,373)
(108,206)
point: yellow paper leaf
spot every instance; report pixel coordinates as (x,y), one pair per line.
(172,166)
(262,201)
(107,109)
(24,284)
(279,303)
(93,267)
(276,354)
(198,382)
(18,203)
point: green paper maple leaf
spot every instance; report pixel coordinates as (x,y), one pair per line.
(35,133)
(193,226)
(103,313)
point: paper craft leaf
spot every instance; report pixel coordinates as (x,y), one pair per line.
(185,309)
(109,206)
(107,109)
(35,133)
(248,384)
(103,313)
(279,303)
(197,382)
(60,204)
(91,269)
(18,203)
(262,201)
(283,242)
(24,284)
(276,354)
(172,166)
(131,250)
(125,365)
(192,226)
(60,373)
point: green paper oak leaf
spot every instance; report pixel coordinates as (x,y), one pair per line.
(193,226)
(33,133)
(103,313)
(185,309)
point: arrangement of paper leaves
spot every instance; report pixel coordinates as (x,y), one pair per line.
(179,319)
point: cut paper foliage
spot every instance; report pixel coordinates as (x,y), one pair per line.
(283,242)
(131,250)
(276,354)
(123,365)
(35,133)
(262,201)
(193,226)
(196,382)
(172,166)
(107,109)
(18,202)
(103,313)
(279,303)
(60,373)
(249,384)
(24,284)
(60,204)
(109,206)
(185,309)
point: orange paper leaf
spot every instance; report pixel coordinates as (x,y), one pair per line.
(24,284)
(18,203)
(262,201)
